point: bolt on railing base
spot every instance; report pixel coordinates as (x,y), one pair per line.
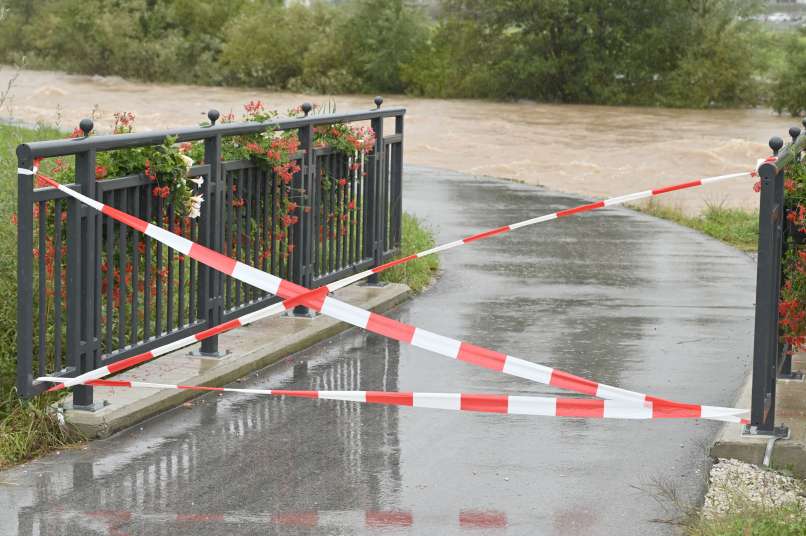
(779,432)
(794,376)
(213,355)
(95,406)
(300,312)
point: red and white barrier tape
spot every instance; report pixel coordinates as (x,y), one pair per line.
(484,403)
(318,300)
(532,221)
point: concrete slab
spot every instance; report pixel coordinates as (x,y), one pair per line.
(250,348)
(790,411)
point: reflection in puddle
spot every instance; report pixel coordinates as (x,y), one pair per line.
(117,522)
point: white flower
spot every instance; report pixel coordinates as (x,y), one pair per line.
(195,205)
(188,160)
(197,180)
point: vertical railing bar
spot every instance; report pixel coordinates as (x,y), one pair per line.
(266,200)
(181,287)
(257,242)
(314,212)
(339,207)
(249,173)
(147,268)
(110,270)
(57,283)
(135,194)
(122,262)
(42,275)
(169,314)
(192,268)
(237,212)
(331,227)
(158,276)
(399,130)
(274,268)
(228,209)
(359,212)
(352,215)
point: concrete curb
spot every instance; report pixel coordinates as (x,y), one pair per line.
(251,348)
(790,410)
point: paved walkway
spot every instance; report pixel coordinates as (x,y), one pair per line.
(614,295)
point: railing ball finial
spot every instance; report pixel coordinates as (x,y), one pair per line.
(86,125)
(775,144)
(306,108)
(794,132)
(213,116)
(378,101)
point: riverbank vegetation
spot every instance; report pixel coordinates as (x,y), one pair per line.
(734,226)
(711,53)
(27,428)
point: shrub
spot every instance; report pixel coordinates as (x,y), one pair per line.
(787,92)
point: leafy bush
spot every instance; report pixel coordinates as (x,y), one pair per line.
(788,93)
(669,52)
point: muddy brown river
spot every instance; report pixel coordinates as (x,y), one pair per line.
(593,150)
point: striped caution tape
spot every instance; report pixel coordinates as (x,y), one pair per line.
(483,403)
(373,322)
(532,221)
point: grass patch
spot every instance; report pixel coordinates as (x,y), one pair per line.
(31,428)
(417,274)
(734,226)
(787,520)
(27,428)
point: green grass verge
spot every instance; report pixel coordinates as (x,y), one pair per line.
(417,274)
(31,428)
(736,227)
(755,521)
(27,428)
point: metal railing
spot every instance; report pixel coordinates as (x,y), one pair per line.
(771,359)
(92,291)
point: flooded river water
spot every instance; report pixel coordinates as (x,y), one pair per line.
(593,150)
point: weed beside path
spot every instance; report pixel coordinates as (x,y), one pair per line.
(734,226)
(417,274)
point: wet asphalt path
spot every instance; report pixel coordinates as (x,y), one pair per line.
(613,295)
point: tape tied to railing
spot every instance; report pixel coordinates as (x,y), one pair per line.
(374,322)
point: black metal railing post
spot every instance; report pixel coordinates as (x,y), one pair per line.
(25,267)
(375,197)
(87,323)
(768,288)
(210,295)
(303,231)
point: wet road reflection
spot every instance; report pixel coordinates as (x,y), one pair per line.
(618,297)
